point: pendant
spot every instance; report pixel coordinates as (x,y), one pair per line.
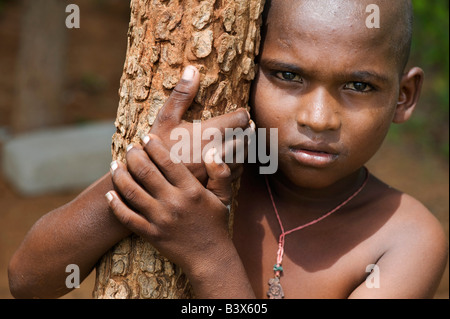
(275,289)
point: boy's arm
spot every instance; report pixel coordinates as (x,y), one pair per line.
(79,232)
(181,218)
(415,259)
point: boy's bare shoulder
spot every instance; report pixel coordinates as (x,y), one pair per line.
(415,221)
(409,219)
(414,245)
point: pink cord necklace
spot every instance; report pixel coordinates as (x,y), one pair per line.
(275,289)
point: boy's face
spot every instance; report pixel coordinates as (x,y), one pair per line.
(330,86)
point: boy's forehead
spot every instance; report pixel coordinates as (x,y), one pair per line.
(318,22)
(325,10)
(340,22)
(329,9)
(320,15)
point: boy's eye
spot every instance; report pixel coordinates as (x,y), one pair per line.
(359,87)
(288,76)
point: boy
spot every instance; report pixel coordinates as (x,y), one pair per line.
(331,86)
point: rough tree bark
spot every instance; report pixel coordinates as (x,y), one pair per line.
(221,38)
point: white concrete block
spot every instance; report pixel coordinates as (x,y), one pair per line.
(58,159)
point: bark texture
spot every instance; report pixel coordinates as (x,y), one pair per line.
(221,38)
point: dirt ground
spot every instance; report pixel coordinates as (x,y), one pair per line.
(96,52)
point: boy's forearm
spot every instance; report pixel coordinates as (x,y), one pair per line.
(223,278)
(79,232)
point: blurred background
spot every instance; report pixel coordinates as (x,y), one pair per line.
(52,79)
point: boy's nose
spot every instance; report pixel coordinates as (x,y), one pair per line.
(317,110)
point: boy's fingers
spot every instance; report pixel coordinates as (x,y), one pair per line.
(144,171)
(129,190)
(168,163)
(235,151)
(181,98)
(220,177)
(131,220)
(237,119)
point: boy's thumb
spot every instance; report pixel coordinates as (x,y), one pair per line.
(181,97)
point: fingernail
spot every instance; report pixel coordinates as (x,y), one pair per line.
(109,197)
(129,147)
(145,139)
(252,125)
(113,166)
(188,73)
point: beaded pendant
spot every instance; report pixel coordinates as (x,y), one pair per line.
(275,289)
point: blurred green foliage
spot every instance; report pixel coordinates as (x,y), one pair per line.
(430,50)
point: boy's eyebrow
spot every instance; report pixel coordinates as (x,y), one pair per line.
(282,66)
(367,76)
(358,75)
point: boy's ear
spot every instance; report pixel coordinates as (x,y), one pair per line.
(410,87)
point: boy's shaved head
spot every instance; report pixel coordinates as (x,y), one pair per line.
(332,80)
(396,19)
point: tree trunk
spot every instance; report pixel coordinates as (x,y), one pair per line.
(221,38)
(41,66)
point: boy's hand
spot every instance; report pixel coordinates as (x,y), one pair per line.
(170,208)
(170,118)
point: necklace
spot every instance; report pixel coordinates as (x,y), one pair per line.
(275,289)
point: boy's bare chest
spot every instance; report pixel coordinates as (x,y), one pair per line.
(320,262)
(327,260)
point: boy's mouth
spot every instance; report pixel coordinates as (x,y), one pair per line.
(316,155)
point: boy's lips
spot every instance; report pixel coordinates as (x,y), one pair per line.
(312,154)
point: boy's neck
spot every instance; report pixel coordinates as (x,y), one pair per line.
(286,193)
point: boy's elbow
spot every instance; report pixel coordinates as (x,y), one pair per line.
(15,278)
(16,289)
(20,286)
(26,283)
